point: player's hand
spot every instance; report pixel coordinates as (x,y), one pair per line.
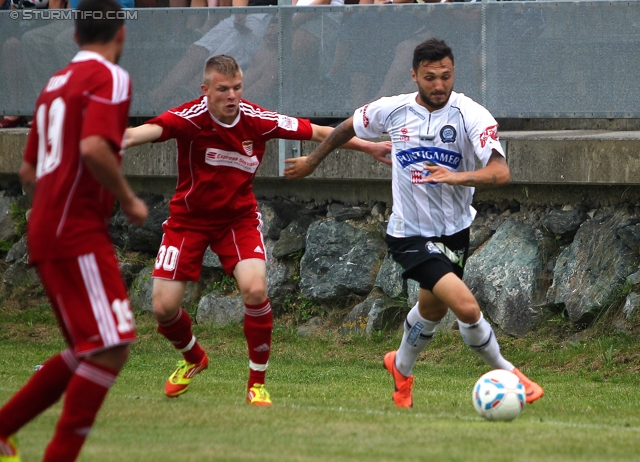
(439,174)
(135,210)
(380,151)
(298,167)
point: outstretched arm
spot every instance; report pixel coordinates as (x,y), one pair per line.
(496,173)
(331,139)
(378,151)
(140,135)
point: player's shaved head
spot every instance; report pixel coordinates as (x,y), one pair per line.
(223,64)
(429,51)
(98,22)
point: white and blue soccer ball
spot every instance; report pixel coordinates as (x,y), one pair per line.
(499,395)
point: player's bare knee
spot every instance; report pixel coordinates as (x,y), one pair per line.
(467,311)
(254,294)
(164,311)
(113,358)
(432,312)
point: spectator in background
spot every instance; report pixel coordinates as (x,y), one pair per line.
(49,47)
(312,46)
(346,76)
(239,35)
(14,69)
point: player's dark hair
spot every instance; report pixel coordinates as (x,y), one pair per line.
(429,51)
(225,65)
(98,21)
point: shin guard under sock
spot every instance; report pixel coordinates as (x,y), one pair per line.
(258,325)
(178,331)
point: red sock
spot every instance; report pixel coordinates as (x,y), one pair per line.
(85,394)
(178,332)
(42,390)
(258,324)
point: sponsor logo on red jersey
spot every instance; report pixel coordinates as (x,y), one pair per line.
(248,147)
(220,158)
(489,132)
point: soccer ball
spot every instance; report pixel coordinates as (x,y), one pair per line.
(499,395)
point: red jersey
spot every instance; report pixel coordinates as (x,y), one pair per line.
(217,162)
(70,210)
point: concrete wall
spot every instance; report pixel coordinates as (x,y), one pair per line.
(541,160)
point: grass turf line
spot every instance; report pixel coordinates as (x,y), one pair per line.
(332,402)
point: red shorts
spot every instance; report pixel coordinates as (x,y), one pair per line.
(182,249)
(90,300)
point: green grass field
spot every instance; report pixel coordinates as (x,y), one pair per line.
(332,400)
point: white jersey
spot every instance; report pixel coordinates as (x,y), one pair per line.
(450,137)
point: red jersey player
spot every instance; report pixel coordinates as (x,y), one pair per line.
(221,140)
(72,161)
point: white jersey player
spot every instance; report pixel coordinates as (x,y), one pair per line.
(437,136)
(450,137)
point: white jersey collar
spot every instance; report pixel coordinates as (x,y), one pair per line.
(232,124)
(84,55)
(437,112)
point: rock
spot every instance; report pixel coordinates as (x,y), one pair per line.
(281,276)
(8,219)
(631,307)
(276,215)
(390,280)
(629,235)
(211,261)
(504,277)
(20,274)
(129,270)
(141,291)
(634,279)
(313,327)
(342,213)
(18,251)
(564,223)
(146,238)
(371,315)
(293,237)
(478,235)
(589,273)
(221,310)
(339,260)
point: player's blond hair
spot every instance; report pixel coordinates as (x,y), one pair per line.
(225,65)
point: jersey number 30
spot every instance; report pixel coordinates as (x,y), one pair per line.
(50,136)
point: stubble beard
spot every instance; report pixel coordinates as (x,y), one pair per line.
(429,102)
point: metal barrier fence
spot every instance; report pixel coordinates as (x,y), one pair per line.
(520,59)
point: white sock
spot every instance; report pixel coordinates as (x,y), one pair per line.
(418,332)
(482,341)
